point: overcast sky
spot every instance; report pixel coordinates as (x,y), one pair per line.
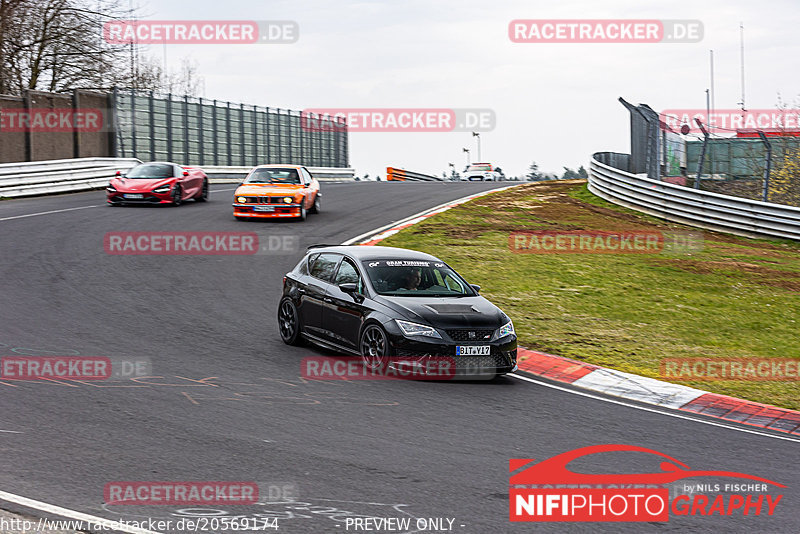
(555,103)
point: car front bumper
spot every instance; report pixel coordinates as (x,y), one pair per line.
(280,210)
(147,197)
(502,357)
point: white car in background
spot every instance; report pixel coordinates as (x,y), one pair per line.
(482,172)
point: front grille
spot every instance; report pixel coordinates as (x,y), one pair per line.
(146,199)
(416,354)
(264,200)
(481,362)
(494,360)
(470,334)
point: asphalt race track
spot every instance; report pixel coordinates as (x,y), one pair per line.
(226,403)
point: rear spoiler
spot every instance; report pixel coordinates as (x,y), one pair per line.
(320,245)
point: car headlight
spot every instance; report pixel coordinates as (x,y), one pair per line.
(288,200)
(163,189)
(506,330)
(111,189)
(241,200)
(416,329)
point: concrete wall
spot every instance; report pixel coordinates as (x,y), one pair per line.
(94,144)
(45,143)
(49,145)
(12,144)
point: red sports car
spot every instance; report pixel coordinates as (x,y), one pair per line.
(158,183)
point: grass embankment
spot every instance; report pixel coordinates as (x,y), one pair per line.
(736,298)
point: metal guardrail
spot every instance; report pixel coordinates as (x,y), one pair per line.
(228,175)
(53,165)
(84,174)
(694,207)
(59,176)
(402,175)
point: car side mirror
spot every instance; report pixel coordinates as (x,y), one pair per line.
(476,287)
(352,290)
(118,173)
(186,173)
(349,288)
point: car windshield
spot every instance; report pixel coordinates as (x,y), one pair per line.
(480,168)
(416,278)
(150,171)
(273,176)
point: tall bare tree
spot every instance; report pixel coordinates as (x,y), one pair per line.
(53,45)
(58,45)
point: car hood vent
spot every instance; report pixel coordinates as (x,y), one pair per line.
(451,309)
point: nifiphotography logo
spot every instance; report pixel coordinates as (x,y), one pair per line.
(549,491)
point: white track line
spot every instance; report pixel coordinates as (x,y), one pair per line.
(109,524)
(48,212)
(653,410)
(80,208)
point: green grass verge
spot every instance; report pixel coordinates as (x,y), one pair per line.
(735,298)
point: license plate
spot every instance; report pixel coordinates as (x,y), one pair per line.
(473,350)
(264,208)
(133,195)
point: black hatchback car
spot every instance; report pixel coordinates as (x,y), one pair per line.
(383,302)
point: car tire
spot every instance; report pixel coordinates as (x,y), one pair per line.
(303,214)
(288,322)
(240,218)
(374,347)
(177,195)
(203,196)
(316,207)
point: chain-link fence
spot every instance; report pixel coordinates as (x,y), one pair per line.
(736,166)
(197,131)
(758,167)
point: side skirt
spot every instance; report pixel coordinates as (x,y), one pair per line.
(327,344)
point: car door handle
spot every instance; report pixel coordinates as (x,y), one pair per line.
(327,299)
(301,291)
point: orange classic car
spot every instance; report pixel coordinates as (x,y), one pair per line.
(277,191)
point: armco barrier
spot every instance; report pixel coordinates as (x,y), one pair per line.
(230,175)
(84,174)
(693,207)
(402,175)
(59,176)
